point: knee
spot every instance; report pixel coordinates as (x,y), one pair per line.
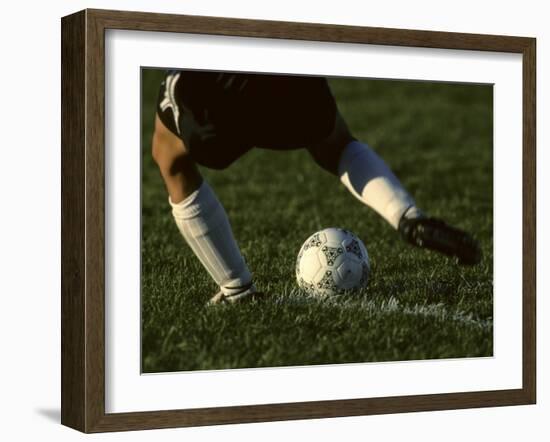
(170,161)
(168,151)
(328,152)
(163,155)
(177,168)
(157,151)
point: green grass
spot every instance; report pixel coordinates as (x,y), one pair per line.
(418,305)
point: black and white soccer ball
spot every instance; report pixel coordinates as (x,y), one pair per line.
(331,262)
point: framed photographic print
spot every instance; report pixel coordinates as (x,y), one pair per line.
(269,220)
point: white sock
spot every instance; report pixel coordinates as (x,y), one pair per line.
(203,223)
(372,182)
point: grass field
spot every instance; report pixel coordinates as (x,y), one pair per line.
(418,305)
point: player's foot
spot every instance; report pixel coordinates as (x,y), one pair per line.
(435,234)
(246,297)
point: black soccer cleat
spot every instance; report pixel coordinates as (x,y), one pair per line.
(435,234)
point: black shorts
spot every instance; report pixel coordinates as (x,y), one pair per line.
(220,115)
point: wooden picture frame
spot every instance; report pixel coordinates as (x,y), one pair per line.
(83,220)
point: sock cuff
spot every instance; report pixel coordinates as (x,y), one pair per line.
(199,203)
(350,154)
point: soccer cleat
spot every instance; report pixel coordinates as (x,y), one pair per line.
(435,234)
(243,297)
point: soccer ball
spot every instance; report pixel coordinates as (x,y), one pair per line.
(332,261)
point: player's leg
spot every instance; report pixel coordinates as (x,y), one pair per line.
(179,172)
(200,217)
(371,181)
(364,174)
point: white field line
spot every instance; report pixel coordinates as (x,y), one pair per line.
(437,311)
